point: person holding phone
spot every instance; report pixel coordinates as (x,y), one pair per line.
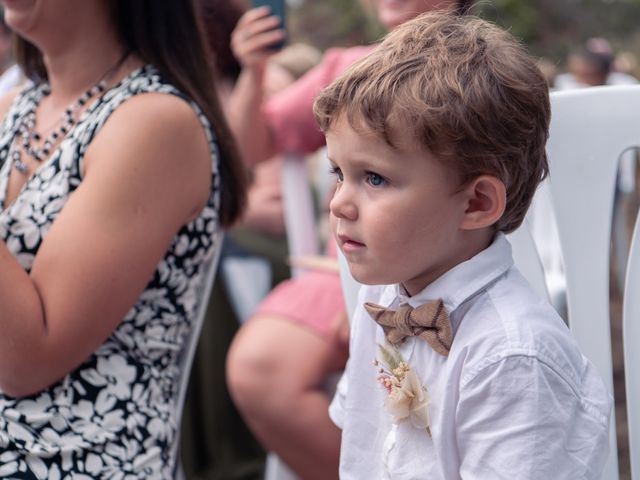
(280,360)
(277,9)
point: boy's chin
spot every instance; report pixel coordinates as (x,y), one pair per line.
(370,278)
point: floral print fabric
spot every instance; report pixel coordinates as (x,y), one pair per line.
(114,417)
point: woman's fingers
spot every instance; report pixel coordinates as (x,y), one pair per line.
(251,15)
(255,33)
(261,25)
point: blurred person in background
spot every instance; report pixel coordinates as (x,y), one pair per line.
(215,442)
(591,66)
(281,358)
(548,69)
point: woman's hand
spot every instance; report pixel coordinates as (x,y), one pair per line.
(265,210)
(252,43)
(255,34)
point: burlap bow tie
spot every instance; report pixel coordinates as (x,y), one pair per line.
(429,322)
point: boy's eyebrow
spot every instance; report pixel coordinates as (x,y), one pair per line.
(370,162)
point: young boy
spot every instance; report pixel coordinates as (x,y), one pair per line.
(437,139)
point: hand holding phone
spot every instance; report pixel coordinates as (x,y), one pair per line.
(277,9)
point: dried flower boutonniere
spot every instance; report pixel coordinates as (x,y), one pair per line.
(407,399)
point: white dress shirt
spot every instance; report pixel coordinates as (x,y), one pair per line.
(515,398)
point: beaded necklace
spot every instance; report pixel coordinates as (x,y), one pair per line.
(26,129)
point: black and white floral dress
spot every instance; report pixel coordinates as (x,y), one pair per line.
(114,417)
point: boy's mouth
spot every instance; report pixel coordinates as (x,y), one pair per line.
(347,244)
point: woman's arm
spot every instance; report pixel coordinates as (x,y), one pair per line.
(250,41)
(148,172)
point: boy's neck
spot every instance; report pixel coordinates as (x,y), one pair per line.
(475,242)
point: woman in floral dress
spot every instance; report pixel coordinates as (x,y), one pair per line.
(116,177)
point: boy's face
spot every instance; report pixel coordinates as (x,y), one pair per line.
(396,212)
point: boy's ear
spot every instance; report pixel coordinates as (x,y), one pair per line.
(486,200)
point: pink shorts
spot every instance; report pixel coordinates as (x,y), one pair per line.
(314,299)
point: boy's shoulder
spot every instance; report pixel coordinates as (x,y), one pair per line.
(509,322)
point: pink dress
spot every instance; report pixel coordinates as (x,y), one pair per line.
(289,113)
(314,299)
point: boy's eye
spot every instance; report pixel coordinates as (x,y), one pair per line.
(337,172)
(374,179)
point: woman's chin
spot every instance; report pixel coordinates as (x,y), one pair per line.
(19,14)
(391,19)
(392,13)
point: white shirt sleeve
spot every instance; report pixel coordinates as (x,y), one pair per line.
(337,406)
(518,418)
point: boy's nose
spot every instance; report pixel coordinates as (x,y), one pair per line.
(342,205)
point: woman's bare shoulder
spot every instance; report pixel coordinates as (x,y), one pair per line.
(162,138)
(157,111)
(163,119)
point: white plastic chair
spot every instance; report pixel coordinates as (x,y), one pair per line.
(299,211)
(276,469)
(303,240)
(590,129)
(191,344)
(249,278)
(542,225)
(527,259)
(631,334)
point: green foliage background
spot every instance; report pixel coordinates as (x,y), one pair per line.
(551,28)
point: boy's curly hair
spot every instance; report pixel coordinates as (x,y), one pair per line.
(465,89)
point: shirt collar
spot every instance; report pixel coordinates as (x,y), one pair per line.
(461,282)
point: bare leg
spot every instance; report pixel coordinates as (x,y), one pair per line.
(276,370)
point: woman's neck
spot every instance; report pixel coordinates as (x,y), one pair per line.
(75,70)
(76,60)
(71,73)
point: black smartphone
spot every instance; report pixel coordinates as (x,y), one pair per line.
(279,9)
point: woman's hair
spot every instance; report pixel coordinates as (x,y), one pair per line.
(220,18)
(169,35)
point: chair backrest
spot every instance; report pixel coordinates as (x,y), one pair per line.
(299,210)
(302,222)
(527,258)
(631,329)
(590,129)
(191,344)
(302,240)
